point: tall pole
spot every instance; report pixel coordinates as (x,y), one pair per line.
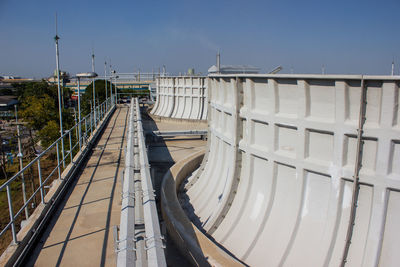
(105,80)
(21,164)
(115,88)
(218,62)
(56,38)
(111,93)
(393,67)
(94,93)
(79,114)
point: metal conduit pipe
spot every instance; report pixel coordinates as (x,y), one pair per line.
(141,259)
(140,241)
(126,245)
(154,240)
(357,167)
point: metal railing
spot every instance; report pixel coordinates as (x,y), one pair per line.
(42,168)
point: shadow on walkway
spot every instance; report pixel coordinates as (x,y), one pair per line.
(34,255)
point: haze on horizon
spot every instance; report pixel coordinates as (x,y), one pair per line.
(347,37)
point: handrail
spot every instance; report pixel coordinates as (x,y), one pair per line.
(102,111)
(42,153)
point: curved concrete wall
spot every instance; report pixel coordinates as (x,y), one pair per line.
(181,98)
(276,185)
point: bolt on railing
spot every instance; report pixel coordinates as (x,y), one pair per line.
(44,173)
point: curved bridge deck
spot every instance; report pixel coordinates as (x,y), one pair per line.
(80,234)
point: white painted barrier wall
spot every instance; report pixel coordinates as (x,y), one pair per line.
(182,97)
(276,185)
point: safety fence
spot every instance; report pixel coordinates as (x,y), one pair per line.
(26,190)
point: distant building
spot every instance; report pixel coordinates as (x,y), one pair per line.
(7,102)
(232,69)
(9,77)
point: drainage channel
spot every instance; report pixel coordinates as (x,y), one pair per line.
(139,241)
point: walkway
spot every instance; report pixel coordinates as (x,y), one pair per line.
(80,234)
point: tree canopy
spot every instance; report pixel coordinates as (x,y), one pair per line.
(87,97)
(39,108)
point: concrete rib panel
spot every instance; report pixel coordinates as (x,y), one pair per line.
(213,193)
(181,106)
(181,98)
(297,140)
(198,189)
(187,105)
(195,112)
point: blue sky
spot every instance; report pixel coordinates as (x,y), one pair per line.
(348,37)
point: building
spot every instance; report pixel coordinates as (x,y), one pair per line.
(232,69)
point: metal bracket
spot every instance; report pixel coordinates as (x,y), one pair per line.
(156,241)
(128,195)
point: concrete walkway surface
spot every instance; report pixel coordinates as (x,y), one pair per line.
(80,234)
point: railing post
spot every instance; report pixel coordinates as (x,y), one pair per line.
(91,123)
(58,162)
(62,150)
(80,135)
(40,181)
(86,128)
(10,208)
(70,146)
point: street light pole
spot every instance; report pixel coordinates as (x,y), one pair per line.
(105,80)
(86,75)
(79,113)
(115,87)
(111,93)
(21,164)
(94,94)
(56,38)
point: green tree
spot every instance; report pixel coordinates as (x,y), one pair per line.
(24,90)
(87,97)
(49,133)
(39,108)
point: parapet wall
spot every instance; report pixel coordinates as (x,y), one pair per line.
(181,98)
(276,185)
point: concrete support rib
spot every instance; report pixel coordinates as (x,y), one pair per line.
(280,168)
(183,97)
(140,241)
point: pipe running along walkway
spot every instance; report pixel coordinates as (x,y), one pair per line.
(140,242)
(80,233)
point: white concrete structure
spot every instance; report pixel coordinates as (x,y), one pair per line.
(183,97)
(276,185)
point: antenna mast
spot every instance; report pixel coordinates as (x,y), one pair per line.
(56,38)
(393,67)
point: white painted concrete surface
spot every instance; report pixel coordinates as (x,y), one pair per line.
(182,97)
(275,187)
